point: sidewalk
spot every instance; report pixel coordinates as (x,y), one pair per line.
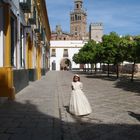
(40,111)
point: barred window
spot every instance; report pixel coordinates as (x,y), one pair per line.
(53,54)
(65,53)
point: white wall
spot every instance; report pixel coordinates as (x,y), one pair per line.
(73,47)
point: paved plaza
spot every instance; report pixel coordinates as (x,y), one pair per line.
(40,111)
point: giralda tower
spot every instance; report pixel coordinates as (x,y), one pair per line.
(78,20)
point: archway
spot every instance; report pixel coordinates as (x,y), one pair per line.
(65,64)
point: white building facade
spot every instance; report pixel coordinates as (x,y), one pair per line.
(61,54)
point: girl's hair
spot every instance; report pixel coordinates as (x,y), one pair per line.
(76,76)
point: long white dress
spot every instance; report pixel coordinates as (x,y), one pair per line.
(79,104)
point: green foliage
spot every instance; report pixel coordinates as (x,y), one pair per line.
(133,49)
(76,58)
(112,50)
(120,50)
(87,53)
(110,43)
(89,47)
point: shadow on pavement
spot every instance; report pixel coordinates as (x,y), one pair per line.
(135,115)
(129,86)
(23,121)
(123,82)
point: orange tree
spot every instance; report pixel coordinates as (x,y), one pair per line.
(86,54)
(133,54)
(109,43)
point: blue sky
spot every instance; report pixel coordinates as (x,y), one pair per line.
(120,16)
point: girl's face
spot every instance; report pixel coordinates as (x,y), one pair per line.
(76,78)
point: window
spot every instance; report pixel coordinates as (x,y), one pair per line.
(13,41)
(34,12)
(77,6)
(21,46)
(76,30)
(75,17)
(65,53)
(53,53)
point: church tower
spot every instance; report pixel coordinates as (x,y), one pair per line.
(78,20)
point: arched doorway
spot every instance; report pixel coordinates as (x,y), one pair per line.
(53,65)
(65,64)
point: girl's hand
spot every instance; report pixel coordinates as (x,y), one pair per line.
(72,87)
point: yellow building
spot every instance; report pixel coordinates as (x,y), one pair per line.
(24,44)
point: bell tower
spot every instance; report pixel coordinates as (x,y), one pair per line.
(78,20)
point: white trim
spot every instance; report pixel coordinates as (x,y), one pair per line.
(1,48)
(1,38)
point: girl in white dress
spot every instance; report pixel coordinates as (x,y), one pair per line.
(79,104)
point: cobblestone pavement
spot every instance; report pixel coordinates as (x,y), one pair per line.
(40,110)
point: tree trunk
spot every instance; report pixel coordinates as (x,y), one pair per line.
(88,67)
(95,68)
(117,70)
(103,68)
(85,68)
(108,69)
(100,67)
(91,67)
(133,70)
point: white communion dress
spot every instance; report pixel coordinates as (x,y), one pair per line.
(79,104)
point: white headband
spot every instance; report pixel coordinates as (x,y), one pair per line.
(76,75)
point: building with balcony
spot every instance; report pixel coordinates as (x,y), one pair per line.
(24,44)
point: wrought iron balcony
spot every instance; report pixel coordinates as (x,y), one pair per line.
(32,21)
(42,34)
(38,35)
(37,30)
(25,5)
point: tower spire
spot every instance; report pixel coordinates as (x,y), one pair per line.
(78,4)
(78,20)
